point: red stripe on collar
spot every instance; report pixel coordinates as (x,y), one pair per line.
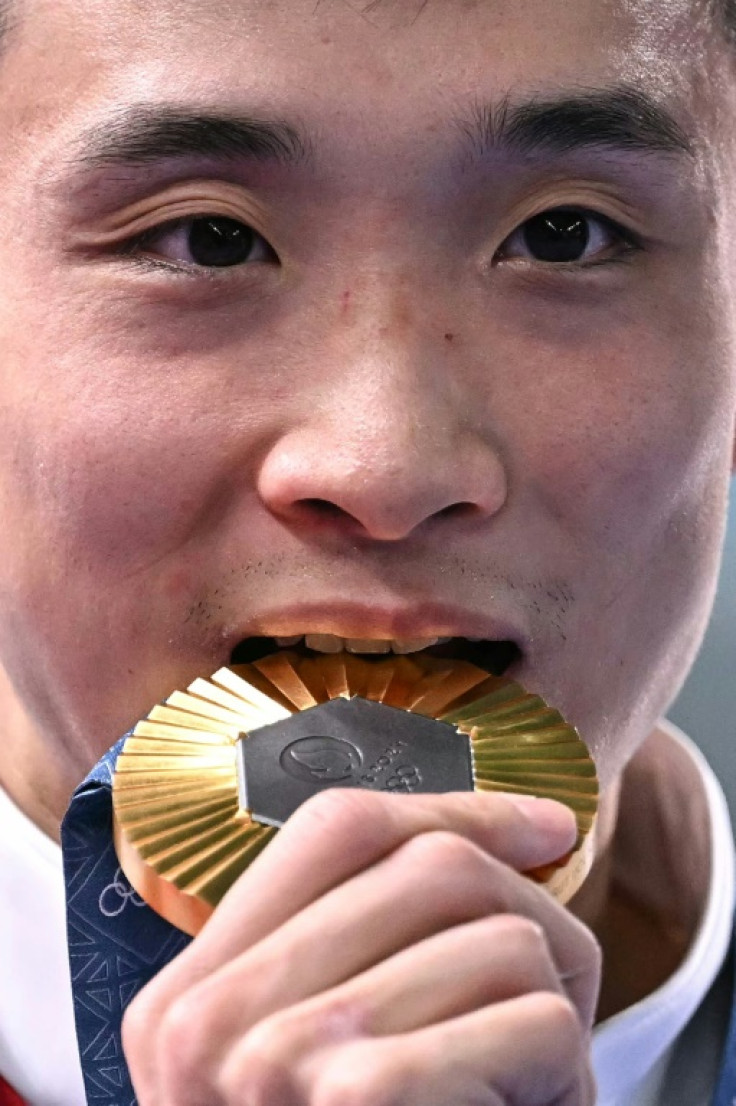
(8,1097)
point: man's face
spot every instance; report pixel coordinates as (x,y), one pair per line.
(404,404)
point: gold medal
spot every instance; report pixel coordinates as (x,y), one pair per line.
(205,779)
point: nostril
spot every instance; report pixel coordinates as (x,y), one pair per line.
(323,507)
(458,511)
(315,512)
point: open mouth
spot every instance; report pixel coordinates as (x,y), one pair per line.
(495,657)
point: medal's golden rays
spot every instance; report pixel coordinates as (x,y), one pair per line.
(184,823)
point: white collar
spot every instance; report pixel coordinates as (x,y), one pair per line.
(630,1049)
(38,1046)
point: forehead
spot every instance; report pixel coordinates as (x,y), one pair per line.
(371,55)
(599,25)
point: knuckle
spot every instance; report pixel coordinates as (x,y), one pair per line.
(444,851)
(560,1020)
(180,1026)
(273,1041)
(527,936)
(353,1078)
(259,1081)
(170,1045)
(260,1070)
(184,1042)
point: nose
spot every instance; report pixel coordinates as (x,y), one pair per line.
(386,450)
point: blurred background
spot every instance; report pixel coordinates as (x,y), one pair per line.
(706,707)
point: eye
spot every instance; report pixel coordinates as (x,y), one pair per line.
(205,241)
(567,235)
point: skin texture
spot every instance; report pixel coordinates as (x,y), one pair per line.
(389,402)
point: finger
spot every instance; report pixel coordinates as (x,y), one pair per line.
(340,833)
(432,883)
(529,1051)
(449,975)
(444,880)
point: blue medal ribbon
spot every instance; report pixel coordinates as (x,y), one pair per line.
(116,942)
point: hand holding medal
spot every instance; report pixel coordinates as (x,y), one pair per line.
(379,941)
(204,779)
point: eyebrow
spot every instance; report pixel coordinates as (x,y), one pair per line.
(619,119)
(143,134)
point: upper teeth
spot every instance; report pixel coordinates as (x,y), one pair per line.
(331,643)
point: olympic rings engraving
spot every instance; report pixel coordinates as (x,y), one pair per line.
(123,890)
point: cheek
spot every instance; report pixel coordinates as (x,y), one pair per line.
(635,478)
(111,472)
(629,441)
(622,478)
(113,505)
(110,496)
